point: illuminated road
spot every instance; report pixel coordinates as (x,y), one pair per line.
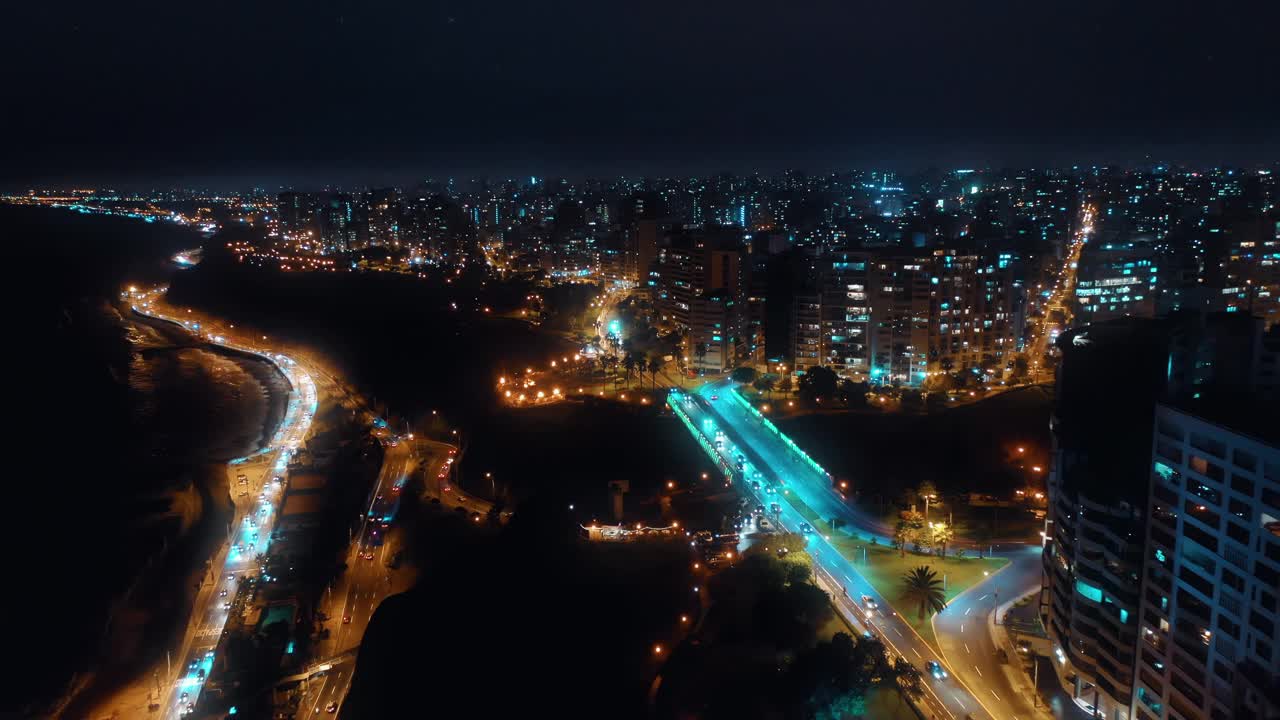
(350,601)
(968,647)
(256,495)
(944,698)
(1061,295)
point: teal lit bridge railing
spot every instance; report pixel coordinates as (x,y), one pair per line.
(673,401)
(781,435)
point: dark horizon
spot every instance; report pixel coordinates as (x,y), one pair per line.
(1241,157)
(330,93)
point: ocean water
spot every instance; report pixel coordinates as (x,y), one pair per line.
(195,404)
(108,418)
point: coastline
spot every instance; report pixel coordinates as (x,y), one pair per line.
(153,611)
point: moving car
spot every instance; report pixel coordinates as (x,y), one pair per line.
(936,670)
(806,528)
(331,707)
(869,601)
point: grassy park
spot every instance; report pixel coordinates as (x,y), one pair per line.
(884,566)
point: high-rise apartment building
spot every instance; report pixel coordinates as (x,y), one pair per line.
(1097,505)
(1162,558)
(384,217)
(900,297)
(830,317)
(882,316)
(975,318)
(1117,279)
(1210,623)
(716,333)
(701,289)
(299,216)
(337,227)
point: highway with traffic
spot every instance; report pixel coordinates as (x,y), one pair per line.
(257,488)
(774,470)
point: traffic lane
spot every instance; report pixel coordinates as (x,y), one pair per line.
(316,701)
(361,580)
(968,667)
(854,585)
(785,464)
(856,614)
(965,635)
(962,700)
(881,619)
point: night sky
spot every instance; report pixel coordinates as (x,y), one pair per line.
(359,92)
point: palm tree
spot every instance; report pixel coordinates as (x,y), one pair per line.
(764,385)
(655,364)
(923,587)
(610,363)
(784,385)
(700,352)
(629,361)
(942,534)
(901,536)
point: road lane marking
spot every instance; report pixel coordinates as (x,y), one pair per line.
(975,667)
(984,597)
(967,611)
(917,652)
(961,627)
(966,649)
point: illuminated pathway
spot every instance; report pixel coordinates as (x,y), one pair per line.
(235,568)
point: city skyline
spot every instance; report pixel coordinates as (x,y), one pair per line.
(670,360)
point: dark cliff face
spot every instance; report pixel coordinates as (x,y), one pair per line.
(1109,380)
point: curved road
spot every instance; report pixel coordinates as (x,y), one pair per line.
(980,683)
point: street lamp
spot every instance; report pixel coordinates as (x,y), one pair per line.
(927,498)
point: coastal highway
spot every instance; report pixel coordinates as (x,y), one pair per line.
(256,495)
(979,682)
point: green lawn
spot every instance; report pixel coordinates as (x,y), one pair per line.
(884,568)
